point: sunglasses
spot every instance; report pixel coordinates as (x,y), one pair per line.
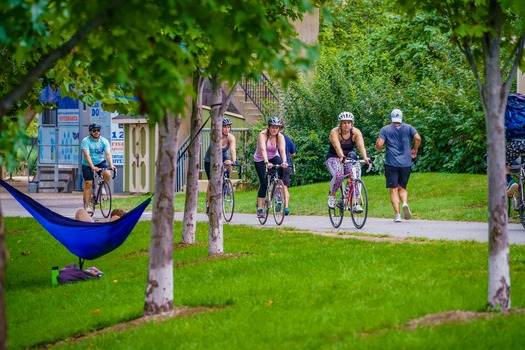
(95,130)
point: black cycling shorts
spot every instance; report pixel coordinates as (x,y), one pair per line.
(88,174)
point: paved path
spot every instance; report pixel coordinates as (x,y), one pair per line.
(67,204)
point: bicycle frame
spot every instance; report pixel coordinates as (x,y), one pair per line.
(101,193)
(228,198)
(274,198)
(353,197)
(517,199)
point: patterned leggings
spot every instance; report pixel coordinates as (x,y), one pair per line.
(513,150)
(338,172)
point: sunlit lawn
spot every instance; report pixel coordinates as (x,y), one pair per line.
(432,196)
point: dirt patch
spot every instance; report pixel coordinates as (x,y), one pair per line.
(447,317)
(181,311)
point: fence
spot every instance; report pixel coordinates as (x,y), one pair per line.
(241,134)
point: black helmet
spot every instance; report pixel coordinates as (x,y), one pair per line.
(94,126)
(275,121)
(226,121)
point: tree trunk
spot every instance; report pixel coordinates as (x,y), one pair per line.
(159,289)
(192,180)
(215,233)
(3,266)
(494,99)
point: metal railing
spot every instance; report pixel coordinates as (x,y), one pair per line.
(262,93)
(204,139)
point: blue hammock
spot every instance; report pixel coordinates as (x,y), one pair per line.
(87,240)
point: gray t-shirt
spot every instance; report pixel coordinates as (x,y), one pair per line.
(398,143)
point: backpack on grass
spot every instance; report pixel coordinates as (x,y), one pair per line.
(515,117)
(71,273)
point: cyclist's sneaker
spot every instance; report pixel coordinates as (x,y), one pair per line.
(103,191)
(406,211)
(286,211)
(89,210)
(331,201)
(397,218)
(512,186)
(358,209)
(260,213)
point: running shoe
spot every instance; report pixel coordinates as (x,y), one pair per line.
(260,213)
(512,186)
(358,209)
(331,201)
(397,218)
(406,211)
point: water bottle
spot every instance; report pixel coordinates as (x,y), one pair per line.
(54,275)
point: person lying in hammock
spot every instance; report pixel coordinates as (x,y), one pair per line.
(83,215)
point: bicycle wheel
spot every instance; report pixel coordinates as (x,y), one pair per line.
(92,200)
(359,204)
(265,208)
(521,204)
(336,214)
(104,198)
(278,202)
(228,203)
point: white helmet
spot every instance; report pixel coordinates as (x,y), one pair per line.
(346,116)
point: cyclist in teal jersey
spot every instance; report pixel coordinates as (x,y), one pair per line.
(97,156)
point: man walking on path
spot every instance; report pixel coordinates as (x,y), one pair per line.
(400,153)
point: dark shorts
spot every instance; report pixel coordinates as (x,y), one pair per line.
(286,176)
(207,167)
(397,176)
(88,173)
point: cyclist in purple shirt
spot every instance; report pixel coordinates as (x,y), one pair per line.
(270,147)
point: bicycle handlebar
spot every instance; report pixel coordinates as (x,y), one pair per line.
(351,160)
(99,172)
(232,165)
(274,166)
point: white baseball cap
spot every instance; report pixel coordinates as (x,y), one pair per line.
(396,116)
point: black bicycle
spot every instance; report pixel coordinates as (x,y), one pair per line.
(101,193)
(228,198)
(274,196)
(516,201)
(351,196)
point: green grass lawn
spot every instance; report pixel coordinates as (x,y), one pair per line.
(432,196)
(274,288)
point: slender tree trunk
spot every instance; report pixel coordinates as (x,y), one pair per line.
(159,289)
(215,230)
(3,266)
(29,115)
(192,180)
(495,98)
